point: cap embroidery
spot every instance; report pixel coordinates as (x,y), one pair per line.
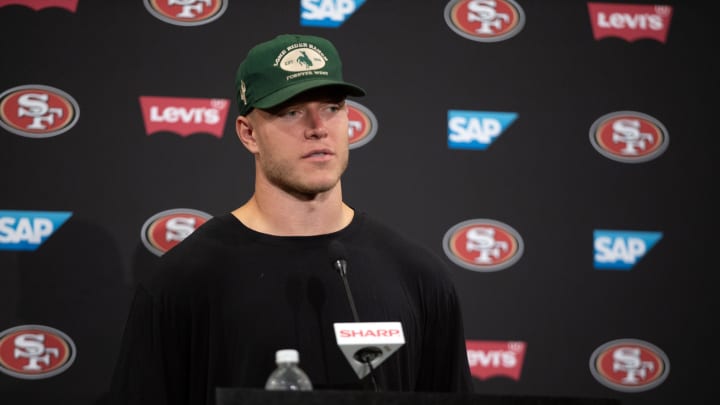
(243,97)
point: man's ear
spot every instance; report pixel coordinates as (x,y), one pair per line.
(245,133)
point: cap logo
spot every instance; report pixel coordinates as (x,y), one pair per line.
(243,89)
(300,57)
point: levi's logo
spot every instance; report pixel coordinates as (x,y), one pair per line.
(37,5)
(630,21)
(495,358)
(184,116)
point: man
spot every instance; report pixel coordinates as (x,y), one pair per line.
(260,278)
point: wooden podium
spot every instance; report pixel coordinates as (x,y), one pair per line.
(248,396)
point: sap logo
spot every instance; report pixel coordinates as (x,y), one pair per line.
(27,230)
(327,13)
(621,250)
(476,129)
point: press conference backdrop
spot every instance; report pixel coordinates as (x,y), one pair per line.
(557,154)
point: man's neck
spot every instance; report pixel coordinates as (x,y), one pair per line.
(276,212)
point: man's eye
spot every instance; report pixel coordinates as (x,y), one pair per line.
(290,113)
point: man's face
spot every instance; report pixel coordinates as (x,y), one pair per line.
(301,146)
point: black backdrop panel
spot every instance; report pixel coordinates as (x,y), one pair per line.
(534,327)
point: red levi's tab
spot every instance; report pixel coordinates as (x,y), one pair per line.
(488,358)
(37,5)
(630,21)
(184,116)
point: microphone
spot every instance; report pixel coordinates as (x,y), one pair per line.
(337,251)
(365,344)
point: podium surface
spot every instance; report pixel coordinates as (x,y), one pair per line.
(255,396)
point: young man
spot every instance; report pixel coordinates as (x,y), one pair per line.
(260,278)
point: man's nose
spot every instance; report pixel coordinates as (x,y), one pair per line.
(315,125)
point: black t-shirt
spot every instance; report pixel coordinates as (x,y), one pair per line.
(227,297)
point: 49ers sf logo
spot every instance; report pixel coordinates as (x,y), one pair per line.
(164,230)
(33,352)
(362,124)
(37,111)
(629,365)
(186,12)
(485,20)
(483,245)
(629,137)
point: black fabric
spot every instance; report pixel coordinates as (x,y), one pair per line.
(226,298)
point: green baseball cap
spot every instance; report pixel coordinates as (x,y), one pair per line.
(281,68)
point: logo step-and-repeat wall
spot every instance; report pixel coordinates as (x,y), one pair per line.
(557,154)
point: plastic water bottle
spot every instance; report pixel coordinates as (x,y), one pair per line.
(288,376)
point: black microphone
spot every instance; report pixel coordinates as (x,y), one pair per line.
(338,256)
(339,263)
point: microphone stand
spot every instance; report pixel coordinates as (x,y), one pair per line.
(367,354)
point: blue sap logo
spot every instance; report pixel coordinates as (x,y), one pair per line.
(476,129)
(327,13)
(621,250)
(27,230)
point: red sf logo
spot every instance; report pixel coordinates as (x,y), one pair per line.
(485,20)
(362,125)
(34,352)
(629,365)
(629,137)
(483,245)
(186,12)
(164,230)
(37,111)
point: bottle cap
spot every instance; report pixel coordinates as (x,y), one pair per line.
(287,356)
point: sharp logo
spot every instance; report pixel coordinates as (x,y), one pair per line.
(186,12)
(362,126)
(37,5)
(483,245)
(621,250)
(629,365)
(488,358)
(629,137)
(33,352)
(164,230)
(485,20)
(27,230)
(476,129)
(37,111)
(327,13)
(184,116)
(630,21)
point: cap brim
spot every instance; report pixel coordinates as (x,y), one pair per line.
(286,93)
